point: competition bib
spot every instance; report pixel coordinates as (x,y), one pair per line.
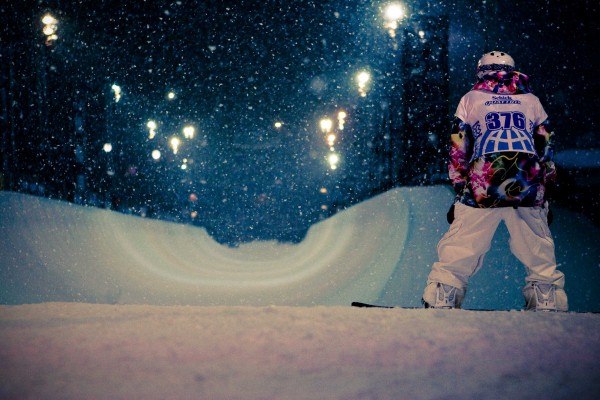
(501,123)
(503,131)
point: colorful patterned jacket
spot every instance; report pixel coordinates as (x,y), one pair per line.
(501,151)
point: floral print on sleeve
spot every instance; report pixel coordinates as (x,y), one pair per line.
(544,143)
(460,154)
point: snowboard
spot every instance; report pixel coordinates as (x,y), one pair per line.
(367,305)
(360,304)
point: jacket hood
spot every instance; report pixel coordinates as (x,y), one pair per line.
(503,82)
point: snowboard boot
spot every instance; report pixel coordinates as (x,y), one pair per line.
(545,297)
(439,295)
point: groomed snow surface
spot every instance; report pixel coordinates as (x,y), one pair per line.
(99,305)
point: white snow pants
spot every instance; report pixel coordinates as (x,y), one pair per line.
(463,247)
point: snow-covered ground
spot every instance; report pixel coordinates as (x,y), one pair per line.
(89,351)
(125,307)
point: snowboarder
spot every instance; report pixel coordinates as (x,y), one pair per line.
(501,164)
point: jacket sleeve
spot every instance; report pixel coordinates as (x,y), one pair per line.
(543,138)
(461,149)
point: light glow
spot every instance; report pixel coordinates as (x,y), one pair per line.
(331,139)
(151,129)
(326,125)
(188,132)
(393,13)
(363,78)
(175,142)
(333,159)
(117,90)
(48,19)
(341,120)
(50,28)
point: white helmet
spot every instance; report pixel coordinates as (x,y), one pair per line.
(494,61)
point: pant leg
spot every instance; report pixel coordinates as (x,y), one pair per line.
(531,242)
(462,249)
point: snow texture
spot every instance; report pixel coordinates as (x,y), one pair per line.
(380,250)
(87,351)
(192,319)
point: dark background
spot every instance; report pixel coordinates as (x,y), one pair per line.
(237,67)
